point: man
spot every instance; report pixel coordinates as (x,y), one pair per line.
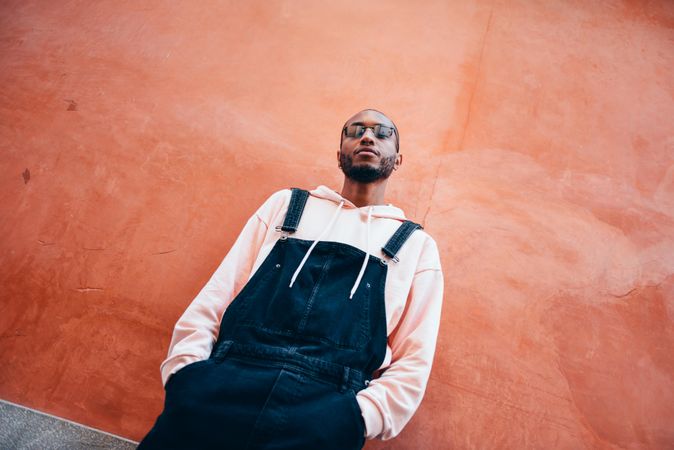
(318,329)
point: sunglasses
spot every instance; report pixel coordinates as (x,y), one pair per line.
(380,131)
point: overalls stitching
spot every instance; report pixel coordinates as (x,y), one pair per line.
(312,296)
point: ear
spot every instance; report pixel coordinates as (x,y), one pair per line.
(399,161)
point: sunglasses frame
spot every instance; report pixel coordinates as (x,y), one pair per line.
(376,129)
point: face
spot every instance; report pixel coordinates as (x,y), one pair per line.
(368,158)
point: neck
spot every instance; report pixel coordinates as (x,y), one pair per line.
(364,194)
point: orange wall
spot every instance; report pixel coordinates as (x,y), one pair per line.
(137,137)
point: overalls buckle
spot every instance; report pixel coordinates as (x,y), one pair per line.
(284,234)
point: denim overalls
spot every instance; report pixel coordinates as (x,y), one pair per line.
(288,361)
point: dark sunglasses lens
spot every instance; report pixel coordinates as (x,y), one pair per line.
(354,130)
(383,131)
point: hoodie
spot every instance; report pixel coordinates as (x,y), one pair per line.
(413,297)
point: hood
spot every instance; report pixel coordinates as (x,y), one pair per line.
(386,211)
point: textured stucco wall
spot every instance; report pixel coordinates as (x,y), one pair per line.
(137,137)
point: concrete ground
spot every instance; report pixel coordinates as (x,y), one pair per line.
(23,429)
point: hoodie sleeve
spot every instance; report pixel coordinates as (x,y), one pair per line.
(197,329)
(390,401)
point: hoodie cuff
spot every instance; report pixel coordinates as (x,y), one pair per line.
(374,423)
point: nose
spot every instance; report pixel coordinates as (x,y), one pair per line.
(367,137)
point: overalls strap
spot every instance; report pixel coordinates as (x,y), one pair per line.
(401,235)
(298,199)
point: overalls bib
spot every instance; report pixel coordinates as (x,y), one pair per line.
(288,361)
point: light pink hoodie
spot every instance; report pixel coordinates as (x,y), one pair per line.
(414,288)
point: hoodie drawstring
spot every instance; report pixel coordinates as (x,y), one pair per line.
(325,231)
(367,254)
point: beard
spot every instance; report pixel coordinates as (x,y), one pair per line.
(366,173)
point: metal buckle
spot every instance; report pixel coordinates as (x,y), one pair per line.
(284,234)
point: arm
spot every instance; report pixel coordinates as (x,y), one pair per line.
(197,329)
(391,400)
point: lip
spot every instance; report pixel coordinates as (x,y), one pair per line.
(366,150)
